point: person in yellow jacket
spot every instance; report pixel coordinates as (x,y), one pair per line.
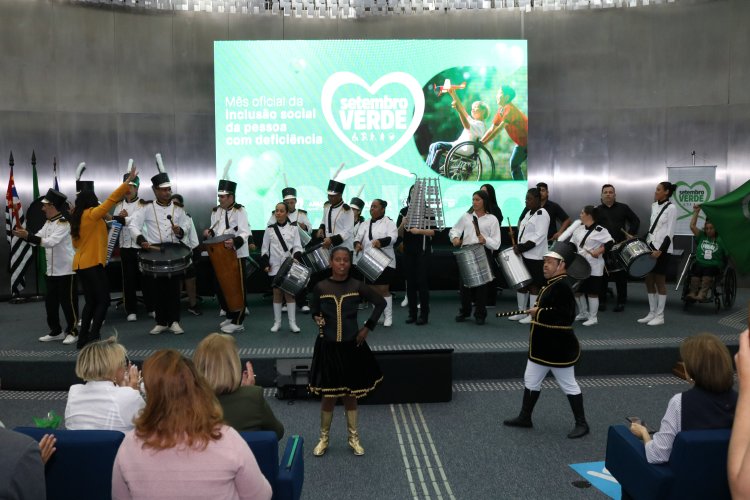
(89,232)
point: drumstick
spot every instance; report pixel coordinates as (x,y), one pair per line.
(153,247)
(510,232)
(510,313)
(630,236)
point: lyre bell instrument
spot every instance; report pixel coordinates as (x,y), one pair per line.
(426,205)
(114,236)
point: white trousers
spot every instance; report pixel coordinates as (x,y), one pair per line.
(565,377)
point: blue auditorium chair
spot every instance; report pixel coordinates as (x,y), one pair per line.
(81,466)
(286,478)
(697,466)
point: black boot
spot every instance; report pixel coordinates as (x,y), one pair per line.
(524,418)
(581,428)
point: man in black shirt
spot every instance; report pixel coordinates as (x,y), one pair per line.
(556,213)
(616,217)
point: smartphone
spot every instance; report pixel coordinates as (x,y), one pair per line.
(637,420)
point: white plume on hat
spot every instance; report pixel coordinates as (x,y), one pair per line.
(225,175)
(160,164)
(131,163)
(79,170)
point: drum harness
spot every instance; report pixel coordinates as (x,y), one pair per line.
(281,239)
(656,221)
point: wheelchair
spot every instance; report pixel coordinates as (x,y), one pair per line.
(723,292)
(459,166)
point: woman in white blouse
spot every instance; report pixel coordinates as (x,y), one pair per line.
(380,232)
(591,241)
(660,238)
(109,400)
(281,241)
(476,227)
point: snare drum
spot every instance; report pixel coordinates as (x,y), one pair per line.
(292,277)
(612,258)
(474,266)
(635,255)
(317,258)
(514,270)
(372,262)
(170,259)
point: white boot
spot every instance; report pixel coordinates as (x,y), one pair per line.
(593,310)
(521,299)
(291,312)
(658,319)
(583,312)
(388,313)
(652,303)
(276,317)
(405,302)
(527,317)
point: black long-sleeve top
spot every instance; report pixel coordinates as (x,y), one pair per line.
(337,302)
(617,217)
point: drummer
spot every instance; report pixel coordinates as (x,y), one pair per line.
(164,221)
(357,205)
(619,220)
(281,241)
(338,219)
(531,245)
(476,226)
(591,241)
(381,233)
(230,218)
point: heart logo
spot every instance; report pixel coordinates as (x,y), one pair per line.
(686,195)
(374,110)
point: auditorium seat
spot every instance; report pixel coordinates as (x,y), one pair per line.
(697,467)
(286,477)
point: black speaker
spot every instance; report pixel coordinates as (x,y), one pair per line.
(292,378)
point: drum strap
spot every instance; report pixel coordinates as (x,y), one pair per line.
(281,239)
(653,226)
(580,245)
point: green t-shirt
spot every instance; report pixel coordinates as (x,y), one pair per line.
(709,252)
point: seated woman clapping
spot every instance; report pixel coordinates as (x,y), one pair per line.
(710,404)
(179,447)
(245,409)
(109,400)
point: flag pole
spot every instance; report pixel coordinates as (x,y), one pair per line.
(40,258)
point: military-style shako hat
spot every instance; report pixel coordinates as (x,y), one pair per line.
(225,185)
(136,181)
(562,250)
(55,198)
(289,193)
(335,187)
(357,203)
(82,185)
(160,180)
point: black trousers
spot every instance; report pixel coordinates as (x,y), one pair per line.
(132,281)
(417,267)
(61,293)
(479,296)
(621,283)
(95,286)
(237,317)
(166,294)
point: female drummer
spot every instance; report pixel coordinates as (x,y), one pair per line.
(494,209)
(709,258)
(89,233)
(343,365)
(281,241)
(380,232)
(660,238)
(476,226)
(591,241)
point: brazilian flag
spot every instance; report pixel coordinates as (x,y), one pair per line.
(730,215)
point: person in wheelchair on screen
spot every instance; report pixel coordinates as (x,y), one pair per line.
(516,124)
(710,258)
(473,129)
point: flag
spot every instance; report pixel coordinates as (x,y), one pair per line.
(20,251)
(730,215)
(41,255)
(55,185)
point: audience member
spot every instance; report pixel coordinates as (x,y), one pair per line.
(179,447)
(22,465)
(710,404)
(109,400)
(738,465)
(218,360)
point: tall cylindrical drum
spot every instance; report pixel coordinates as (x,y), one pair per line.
(228,271)
(514,270)
(473,266)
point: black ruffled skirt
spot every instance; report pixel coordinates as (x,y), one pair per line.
(343,369)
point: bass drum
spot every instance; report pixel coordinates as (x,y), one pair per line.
(227,270)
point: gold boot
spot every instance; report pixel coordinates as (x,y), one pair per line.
(351,425)
(325,427)
(706,283)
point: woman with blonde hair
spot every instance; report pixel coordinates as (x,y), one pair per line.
(179,447)
(710,404)
(109,399)
(245,409)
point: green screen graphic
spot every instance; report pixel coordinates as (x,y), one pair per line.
(292,112)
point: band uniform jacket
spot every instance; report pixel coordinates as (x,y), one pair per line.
(489,227)
(383,229)
(272,253)
(533,229)
(662,237)
(599,236)
(158,228)
(297,217)
(338,224)
(232,221)
(54,237)
(552,341)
